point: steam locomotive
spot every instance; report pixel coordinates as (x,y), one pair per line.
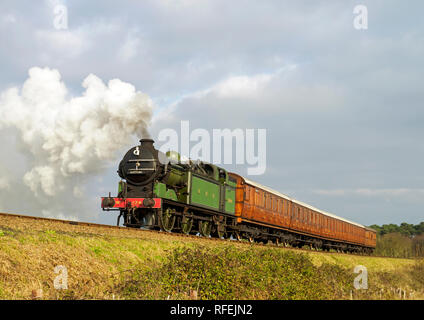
(159,191)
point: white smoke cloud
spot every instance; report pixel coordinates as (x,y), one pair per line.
(68,139)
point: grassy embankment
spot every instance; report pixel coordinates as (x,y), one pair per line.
(128,264)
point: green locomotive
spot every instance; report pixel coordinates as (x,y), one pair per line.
(158,191)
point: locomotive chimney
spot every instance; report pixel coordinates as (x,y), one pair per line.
(147,144)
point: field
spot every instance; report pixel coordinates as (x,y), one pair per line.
(105,263)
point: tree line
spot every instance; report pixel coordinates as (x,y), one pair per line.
(404,228)
(400,241)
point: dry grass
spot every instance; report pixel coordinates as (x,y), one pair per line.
(102,261)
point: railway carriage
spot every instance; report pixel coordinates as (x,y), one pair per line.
(158,191)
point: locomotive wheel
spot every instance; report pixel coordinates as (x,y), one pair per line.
(220,230)
(237,236)
(167,220)
(205,228)
(186,224)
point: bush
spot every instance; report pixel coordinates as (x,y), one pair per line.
(230,273)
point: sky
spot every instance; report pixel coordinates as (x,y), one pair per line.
(342,107)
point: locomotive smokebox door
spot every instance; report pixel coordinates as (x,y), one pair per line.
(140,164)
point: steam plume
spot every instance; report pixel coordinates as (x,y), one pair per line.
(65,140)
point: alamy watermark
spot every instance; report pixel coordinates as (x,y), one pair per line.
(361,281)
(360,21)
(61,281)
(222,146)
(60,21)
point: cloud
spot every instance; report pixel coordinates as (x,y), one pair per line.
(67,140)
(4,183)
(8,18)
(243,86)
(129,49)
(58,215)
(336,192)
(63,43)
(348,114)
(396,192)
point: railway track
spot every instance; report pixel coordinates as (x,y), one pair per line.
(181,235)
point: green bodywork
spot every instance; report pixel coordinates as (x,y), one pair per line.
(208,187)
(230,199)
(161,191)
(205,193)
(210,190)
